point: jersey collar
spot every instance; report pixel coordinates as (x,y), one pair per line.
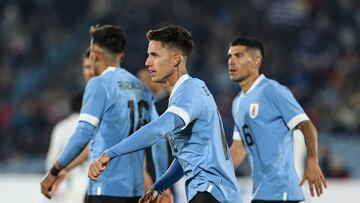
(108,69)
(256,82)
(180,81)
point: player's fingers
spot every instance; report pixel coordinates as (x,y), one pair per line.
(103,162)
(91,170)
(47,195)
(141,200)
(311,188)
(102,168)
(318,188)
(93,174)
(323,181)
(45,192)
(144,198)
(99,167)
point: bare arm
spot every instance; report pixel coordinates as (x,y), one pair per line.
(310,136)
(313,171)
(238,152)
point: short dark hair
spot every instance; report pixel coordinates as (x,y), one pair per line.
(173,35)
(110,37)
(249,42)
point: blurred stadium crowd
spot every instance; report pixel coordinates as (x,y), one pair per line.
(312,46)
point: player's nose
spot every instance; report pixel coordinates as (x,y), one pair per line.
(148,62)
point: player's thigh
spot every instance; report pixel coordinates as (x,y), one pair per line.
(203,197)
(110,199)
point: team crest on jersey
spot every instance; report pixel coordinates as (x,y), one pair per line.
(254,110)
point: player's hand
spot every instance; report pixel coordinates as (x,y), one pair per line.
(167,197)
(46,184)
(314,176)
(151,196)
(98,166)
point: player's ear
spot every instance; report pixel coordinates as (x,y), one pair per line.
(122,57)
(176,60)
(257,60)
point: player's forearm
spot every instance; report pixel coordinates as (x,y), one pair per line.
(310,136)
(79,159)
(160,157)
(171,176)
(238,153)
(77,143)
(147,135)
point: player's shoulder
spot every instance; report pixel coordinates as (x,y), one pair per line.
(94,84)
(273,88)
(270,85)
(193,87)
(193,84)
(96,80)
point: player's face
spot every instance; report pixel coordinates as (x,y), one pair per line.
(160,62)
(88,70)
(240,63)
(95,51)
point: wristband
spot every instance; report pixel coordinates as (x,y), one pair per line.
(54,171)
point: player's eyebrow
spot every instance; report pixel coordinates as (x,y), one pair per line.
(237,54)
(153,54)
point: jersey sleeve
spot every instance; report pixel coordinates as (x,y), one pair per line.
(289,108)
(93,102)
(186,104)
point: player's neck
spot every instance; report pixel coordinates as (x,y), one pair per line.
(248,82)
(107,65)
(160,92)
(170,83)
(112,64)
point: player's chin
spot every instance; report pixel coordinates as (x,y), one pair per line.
(156,79)
(234,78)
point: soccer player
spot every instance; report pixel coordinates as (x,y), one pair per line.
(266,114)
(193,121)
(115,104)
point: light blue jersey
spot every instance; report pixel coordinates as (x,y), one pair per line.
(117,104)
(200,146)
(265,117)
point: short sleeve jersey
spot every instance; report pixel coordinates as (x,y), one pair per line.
(118,104)
(265,117)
